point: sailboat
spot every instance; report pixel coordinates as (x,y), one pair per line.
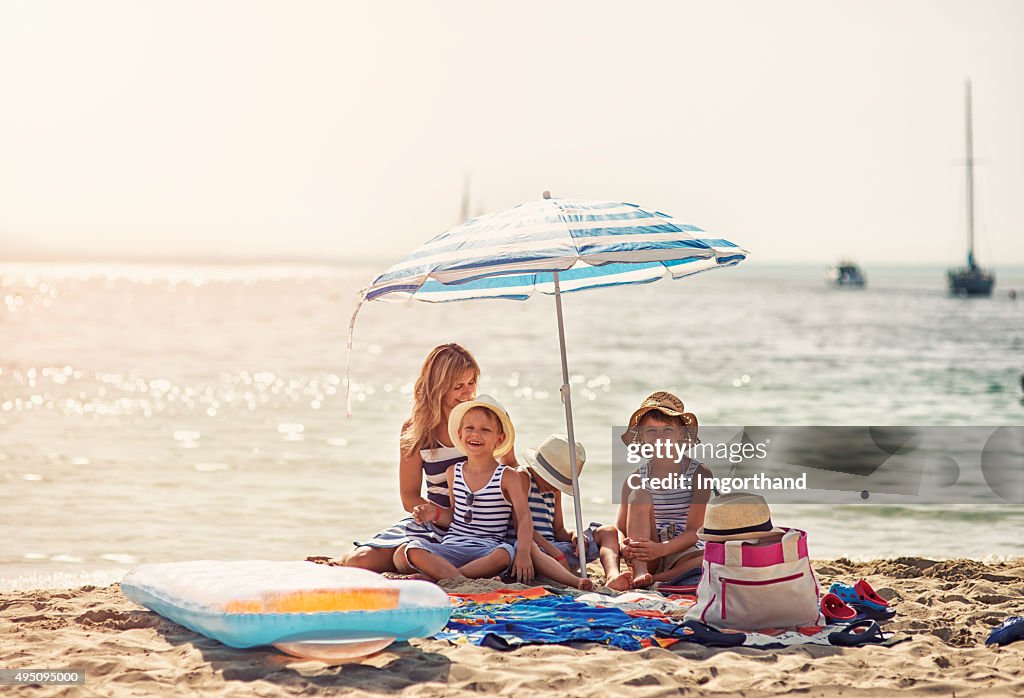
(464,209)
(464,212)
(971,280)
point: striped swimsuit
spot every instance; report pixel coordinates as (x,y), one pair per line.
(542,512)
(436,462)
(489,511)
(671,507)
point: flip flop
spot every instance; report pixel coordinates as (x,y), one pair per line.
(865,612)
(687,578)
(702,634)
(835,611)
(670,589)
(1008,631)
(861,593)
(861,632)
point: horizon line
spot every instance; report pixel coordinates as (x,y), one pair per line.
(336,261)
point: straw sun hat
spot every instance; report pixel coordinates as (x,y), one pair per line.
(663,402)
(487,402)
(551,461)
(738,516)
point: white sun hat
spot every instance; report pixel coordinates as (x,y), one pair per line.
(551,461)
(487,402)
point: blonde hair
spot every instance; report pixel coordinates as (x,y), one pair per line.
(441,371)
(491,414)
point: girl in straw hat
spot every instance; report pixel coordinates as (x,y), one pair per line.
(661,525)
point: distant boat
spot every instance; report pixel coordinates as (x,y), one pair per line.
(971,280)
(846,274)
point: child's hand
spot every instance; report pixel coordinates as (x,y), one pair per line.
(425,513)
(522,566)
(624,549)
(643,549)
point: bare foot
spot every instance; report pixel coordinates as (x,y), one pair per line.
(643,581)
(585,585)
(623,581)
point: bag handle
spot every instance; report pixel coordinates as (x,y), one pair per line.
(790,551)
(734,552)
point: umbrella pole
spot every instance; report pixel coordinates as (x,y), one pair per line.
(581,548)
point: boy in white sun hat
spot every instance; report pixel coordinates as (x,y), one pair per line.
(485,494)
(547,475)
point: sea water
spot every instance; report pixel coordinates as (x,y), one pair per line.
(159,412)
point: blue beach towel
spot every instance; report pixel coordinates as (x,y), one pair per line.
(547,620)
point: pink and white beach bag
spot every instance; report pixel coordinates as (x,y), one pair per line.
(756,585)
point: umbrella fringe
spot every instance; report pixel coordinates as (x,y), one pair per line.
(348,359)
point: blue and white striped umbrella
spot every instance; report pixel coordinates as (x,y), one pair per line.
(551,246)
(513,253)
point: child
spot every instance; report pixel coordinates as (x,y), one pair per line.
(485,494)
(661,525)
(555,549)
(448,376)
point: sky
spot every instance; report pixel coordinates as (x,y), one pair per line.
(803,131)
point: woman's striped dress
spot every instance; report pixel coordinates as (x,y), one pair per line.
(436,462)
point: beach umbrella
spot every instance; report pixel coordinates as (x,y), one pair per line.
(552,246)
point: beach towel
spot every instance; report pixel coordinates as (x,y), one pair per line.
(641,601)
(506,619)
(499,596)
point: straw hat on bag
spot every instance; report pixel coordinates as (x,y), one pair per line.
(738,516)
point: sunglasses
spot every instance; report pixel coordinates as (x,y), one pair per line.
(468,516)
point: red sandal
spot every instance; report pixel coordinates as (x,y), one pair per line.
(834,609)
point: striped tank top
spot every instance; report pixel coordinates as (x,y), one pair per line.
(671,506)
(436,462)
(487,510)
(542,511)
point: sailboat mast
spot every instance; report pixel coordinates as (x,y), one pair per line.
(970,178)
(464,213)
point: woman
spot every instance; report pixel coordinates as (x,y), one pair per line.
(448,377)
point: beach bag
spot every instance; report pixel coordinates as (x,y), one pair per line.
(753,585)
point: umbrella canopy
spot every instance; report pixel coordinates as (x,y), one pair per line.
(551,246)
(513,253)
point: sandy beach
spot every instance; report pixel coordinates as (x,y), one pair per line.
(946,608)
(262,264)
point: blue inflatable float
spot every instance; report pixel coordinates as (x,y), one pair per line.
(305,609)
